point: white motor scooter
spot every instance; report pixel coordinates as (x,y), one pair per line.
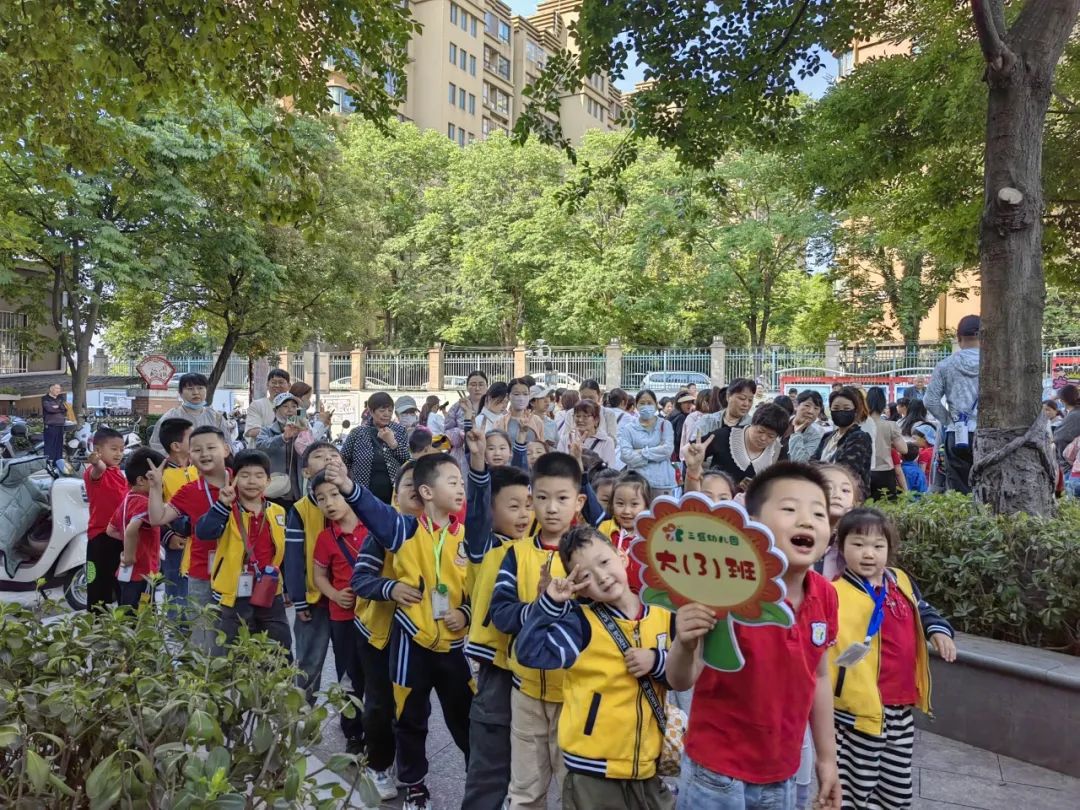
(43,522)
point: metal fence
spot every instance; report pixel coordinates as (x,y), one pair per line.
(764,365)
(874,360)
(341,367)
(297,370)
(566,366)
(638,364)
(405,370)
(460,361)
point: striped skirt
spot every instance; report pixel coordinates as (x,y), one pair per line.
(875,772)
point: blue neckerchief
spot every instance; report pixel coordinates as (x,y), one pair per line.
(878,595)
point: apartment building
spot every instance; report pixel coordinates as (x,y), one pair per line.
(470,65)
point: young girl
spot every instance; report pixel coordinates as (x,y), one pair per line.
(630,496)
(533,451)
(602,482)
(499,451)
(845,493)
(718,485)
(880,667)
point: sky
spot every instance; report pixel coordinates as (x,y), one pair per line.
(814,87)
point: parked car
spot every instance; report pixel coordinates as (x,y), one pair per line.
(670,382)
(371,383)
(559,379)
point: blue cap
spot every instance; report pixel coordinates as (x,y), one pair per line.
(927,432)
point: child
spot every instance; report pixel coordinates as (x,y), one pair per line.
(845,493)
(420,441)
(106,488)
(746,728)
(716,484)
(311,624)
(498,449)
(208,451)
(429,633)
(630,496)
(336,552)
(174,435)
(378,593)
(533,451)
(537,698)
(913,473)
(498,513)
(141,554)
(603,482)
(608,732)
(925,438)
(249,532)
(880,667)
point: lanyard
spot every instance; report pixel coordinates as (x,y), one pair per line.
(878,616)
(249,544)
(350,558)
(439,586)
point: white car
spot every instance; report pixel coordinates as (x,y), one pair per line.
(559,379)
(671,382)
(345,384)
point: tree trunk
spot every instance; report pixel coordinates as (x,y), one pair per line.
(1013,471)
(222,362)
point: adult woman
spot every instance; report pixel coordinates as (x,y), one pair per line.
(586,433)
(684,403)
(521,415)
(494,407)
(729,406)
(1069,428)
(54,409)
(887,437)
(320,426)
(916,415)
(376,449)
(646,444)
(806,431)
(743,452)
(431,416)
(849,444)
(476,385)
(701,408)
(902,406)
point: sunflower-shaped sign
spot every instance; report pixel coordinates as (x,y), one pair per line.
(694,550)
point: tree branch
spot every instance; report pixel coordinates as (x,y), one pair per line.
(998,56)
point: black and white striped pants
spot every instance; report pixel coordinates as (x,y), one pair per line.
(875,772)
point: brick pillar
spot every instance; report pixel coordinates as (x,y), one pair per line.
(832,356)
(285,362)
(324,374)
(101,363)
(435,367)
(257,386)
(718,362)
(613,365)
(358,363)
(521,361)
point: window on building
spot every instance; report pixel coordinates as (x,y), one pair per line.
(14,358)
(496,62)
(463,61)
(504,31)
(453,13)
(496,99)
(472,137)
(472,104)
(453,54)
(535,55)
(341,101)
(453,93)
(491,23)
(461,137)
(472,65)
(390,84)
(472,26)
(464,21)
(451,131)
(461,97)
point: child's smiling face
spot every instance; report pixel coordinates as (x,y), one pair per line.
(798,515)
(841,493)
(603,568)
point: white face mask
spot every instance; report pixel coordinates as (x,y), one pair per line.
(520,401)
(408,419)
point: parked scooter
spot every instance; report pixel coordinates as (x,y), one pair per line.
(43,522)
(16,440)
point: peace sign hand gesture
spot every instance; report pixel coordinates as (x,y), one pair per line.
(467,409)
(695,454)
(563,589)
(227,495)
(324,415)
(154,473)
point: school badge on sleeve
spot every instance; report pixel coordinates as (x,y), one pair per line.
(818,633)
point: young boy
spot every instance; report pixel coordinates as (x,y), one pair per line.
(428,636)
(913,473)
(174,435)
(336,551)
(523,575)
(105,490)
(609,733)
(141,554)
(311,625)
(746,728)
(378,593)
(925,437)
(208,452)
(249,532)
(498,512)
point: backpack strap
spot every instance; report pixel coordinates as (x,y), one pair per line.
(621,642)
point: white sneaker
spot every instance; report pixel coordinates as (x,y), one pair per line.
(384,783)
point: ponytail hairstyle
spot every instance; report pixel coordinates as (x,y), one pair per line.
(431,405)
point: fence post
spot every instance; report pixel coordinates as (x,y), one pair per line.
(521,360)
(285,362)
(613,365)
(101,363)
(832,356)
(309,366)
(358,368)
(257,386)
(435,368)
(718,362)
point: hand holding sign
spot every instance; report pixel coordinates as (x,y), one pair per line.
(716,559)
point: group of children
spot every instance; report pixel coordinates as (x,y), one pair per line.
(507,588)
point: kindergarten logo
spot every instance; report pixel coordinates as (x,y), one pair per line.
(673,533)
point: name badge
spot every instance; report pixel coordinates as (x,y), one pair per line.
(124,573)
(440,604)
(245,585)
(853,654)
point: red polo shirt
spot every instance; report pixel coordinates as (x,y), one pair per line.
(896,677)
(148,551)
(749,724)
(328,554)
(194,499)
(105,495)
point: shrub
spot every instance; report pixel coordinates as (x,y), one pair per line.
(1014,578)
(120,710)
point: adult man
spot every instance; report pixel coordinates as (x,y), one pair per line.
(956,380)
(54,409)
(260,413)
(916,391)
(195,409)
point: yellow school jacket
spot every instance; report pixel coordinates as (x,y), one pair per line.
(415,564)
(305,526)
(374,617)
(229,557)
(486,642)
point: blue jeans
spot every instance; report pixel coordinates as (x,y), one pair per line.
(312,639)
(176,586)
(702,788)
(1072,485)
(198,597)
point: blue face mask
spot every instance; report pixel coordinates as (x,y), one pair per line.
(194,406)
(646,412)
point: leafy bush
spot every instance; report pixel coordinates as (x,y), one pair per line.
(122,711)
(1014,578)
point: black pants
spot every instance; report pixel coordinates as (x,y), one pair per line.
(958,463)
(270,620)
(883,484)
(346,640)
(134,593)
(417,671)
(378,705)
(488,776)
(54,442)
(102,560)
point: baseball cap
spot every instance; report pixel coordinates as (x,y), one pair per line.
(927,432)
(282,398)
(405,403)
(970,325)
(538,391)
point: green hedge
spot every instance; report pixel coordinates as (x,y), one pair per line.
(1014,578)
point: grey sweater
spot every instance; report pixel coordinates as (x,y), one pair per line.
(956,381)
